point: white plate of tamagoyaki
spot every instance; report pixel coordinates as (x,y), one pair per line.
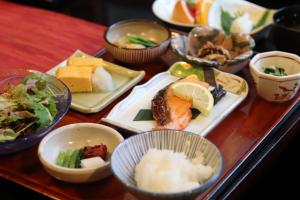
(94,82)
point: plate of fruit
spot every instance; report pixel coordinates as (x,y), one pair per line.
(184,13)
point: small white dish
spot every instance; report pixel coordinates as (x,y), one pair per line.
(75,136)
(276,88)
(240,6)
(92,102)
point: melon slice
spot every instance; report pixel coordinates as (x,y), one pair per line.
(202,9)
(182,14)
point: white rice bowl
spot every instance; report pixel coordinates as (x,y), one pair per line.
(166,171)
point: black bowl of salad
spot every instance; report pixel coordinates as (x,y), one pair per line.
(30,106)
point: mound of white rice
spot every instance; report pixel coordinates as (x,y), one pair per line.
(167,171)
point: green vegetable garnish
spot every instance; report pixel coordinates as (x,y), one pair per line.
(73,159)
(67,159)
(79,157)
(146,115)
(262,20)
(275,71)
(25,107)
(139,40)
(226,20)
(60,159)
(70,158)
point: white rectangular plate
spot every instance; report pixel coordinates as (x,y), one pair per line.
(123,113)
(123,78)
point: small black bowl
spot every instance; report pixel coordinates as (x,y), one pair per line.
(286,29)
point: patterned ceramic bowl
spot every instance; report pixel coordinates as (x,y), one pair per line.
(128,154)
(143,28)
(210,47)
(276,88)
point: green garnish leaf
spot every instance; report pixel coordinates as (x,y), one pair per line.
(226,21)
(262,19)
(139,40)
(146,115)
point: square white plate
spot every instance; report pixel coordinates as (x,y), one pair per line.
(123,78)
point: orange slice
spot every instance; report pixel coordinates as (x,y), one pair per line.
(202,9)
(181,13)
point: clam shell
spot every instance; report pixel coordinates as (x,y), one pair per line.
(238,45)
(233,6)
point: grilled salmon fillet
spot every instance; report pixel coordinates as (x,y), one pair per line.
(170,111)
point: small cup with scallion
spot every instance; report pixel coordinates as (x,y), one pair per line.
(276,75)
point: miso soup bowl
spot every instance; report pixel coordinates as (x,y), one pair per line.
(141,27)
(276,88)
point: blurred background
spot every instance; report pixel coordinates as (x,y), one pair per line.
(270,181)
(107,12)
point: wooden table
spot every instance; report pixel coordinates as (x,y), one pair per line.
(37,39)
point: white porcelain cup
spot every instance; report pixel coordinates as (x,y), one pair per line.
(276,88)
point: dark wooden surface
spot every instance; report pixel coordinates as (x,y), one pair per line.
(45,38)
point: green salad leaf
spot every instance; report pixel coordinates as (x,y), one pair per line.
(26,106)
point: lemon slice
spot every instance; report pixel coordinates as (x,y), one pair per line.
(201,96)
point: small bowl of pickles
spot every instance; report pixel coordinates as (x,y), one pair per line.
(137,41)
(79,153)
(276,75)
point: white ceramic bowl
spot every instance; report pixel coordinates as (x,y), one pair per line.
(276,88)
(76,136)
